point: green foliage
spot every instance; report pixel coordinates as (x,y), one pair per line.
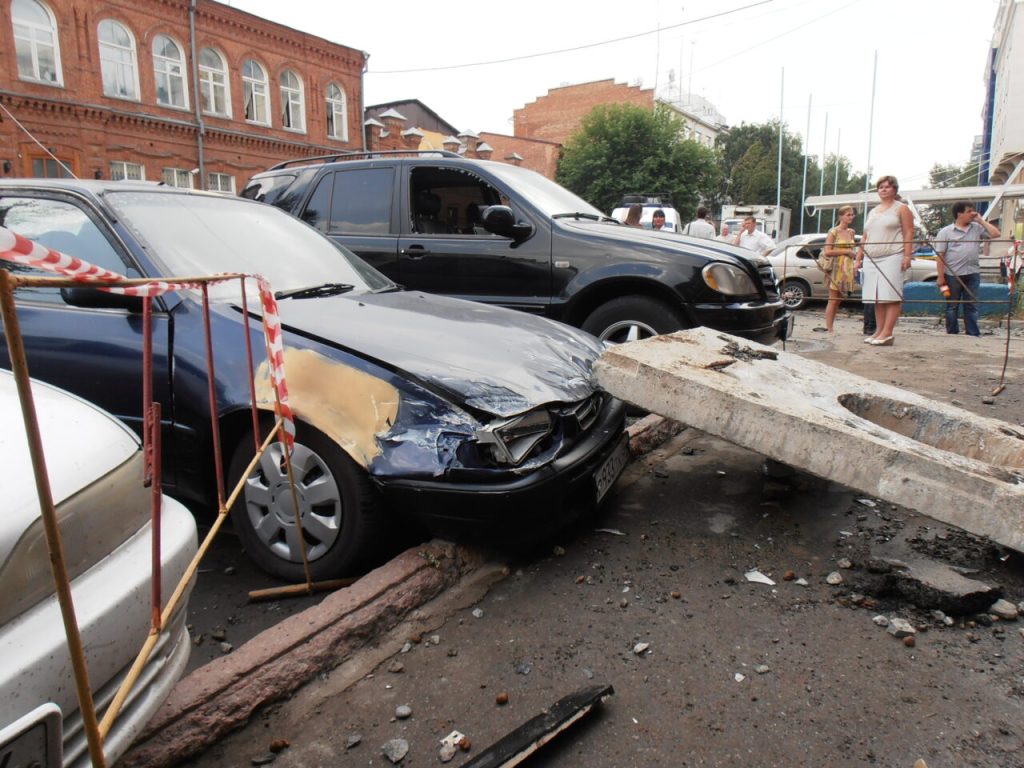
(749,161)
(935,217)
(622,148)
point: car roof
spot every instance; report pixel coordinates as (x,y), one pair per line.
(97,188)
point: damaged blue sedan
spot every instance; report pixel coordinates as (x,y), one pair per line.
(467,418)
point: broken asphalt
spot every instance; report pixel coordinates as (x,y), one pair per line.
(734,671)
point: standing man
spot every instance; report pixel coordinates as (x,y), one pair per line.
(958,252)
(658,219)
(753,239)
(725,237)
(701,227)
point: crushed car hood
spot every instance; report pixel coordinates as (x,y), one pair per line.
(488,358)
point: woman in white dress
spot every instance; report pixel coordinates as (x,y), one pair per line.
(888,243)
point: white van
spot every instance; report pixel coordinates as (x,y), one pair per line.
(651,202)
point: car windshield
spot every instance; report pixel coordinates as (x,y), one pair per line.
(191,235)
(543,193)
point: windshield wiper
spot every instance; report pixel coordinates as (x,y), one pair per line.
(576,215)
(312,292)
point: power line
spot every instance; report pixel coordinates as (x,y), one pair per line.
(570,50)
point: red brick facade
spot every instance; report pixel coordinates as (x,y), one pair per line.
(536,154)
(556,115)
(93,132)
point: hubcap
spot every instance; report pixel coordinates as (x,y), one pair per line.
(627,330)
(270,506)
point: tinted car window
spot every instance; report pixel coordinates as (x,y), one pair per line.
(59,226)
(361,202)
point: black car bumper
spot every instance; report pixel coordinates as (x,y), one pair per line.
(763,323)
(522,507)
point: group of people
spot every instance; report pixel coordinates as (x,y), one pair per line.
(749,236)
(886,252)
(635,213)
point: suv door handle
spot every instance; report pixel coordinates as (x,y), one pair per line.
(415,251)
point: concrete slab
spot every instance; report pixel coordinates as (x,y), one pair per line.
(946,462)
(221,696)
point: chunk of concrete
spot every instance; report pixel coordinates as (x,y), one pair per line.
(960,468)
(932,585)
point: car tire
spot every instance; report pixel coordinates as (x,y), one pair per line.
(341,519)
(629,318)
(795,294)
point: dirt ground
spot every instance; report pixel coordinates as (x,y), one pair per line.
(708,667)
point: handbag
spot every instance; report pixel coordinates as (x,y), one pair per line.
(826,263)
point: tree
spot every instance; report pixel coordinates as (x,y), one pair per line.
(935,217)
(749,160)
(623,148)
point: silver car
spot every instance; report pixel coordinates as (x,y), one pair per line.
(95,468)
(800,279)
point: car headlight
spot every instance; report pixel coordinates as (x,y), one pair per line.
(512,440)
(727,279)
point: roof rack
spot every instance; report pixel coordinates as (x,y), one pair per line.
(646,198)
(360,155)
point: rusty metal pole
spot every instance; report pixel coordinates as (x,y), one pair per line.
(151,455)
(218,462)
(19,366)
(252,374)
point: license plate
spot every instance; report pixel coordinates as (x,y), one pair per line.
(609,471)
(33,741)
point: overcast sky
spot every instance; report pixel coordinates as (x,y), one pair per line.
(750,58)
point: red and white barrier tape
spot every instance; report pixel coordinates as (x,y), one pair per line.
(21,250)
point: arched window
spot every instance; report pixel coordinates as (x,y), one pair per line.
(169,72)
(35,42)
(254,93)
(118,62)
(337,113)
(213,83)
(293,109)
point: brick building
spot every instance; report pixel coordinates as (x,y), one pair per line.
(198,94)
(556,115)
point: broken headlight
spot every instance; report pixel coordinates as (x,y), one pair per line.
(727,279)
(511,441)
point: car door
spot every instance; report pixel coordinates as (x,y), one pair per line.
(354,207)
(94,352)
(444,248)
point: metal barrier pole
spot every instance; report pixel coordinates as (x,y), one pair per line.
(19,366)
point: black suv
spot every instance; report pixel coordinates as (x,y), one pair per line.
(500,234)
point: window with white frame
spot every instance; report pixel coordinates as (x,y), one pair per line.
(122,169)
(35,42)
(177,177)
(169,73)
(254,93)
(213,83)
(220,182)
(293,109)
(118,63)
(337,113)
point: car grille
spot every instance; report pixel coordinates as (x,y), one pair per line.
(511,442)
(771,285)
(579,417)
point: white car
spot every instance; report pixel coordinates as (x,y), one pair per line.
(95,469)
(800,279)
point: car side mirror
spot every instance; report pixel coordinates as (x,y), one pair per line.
(91,298)
(499,220)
